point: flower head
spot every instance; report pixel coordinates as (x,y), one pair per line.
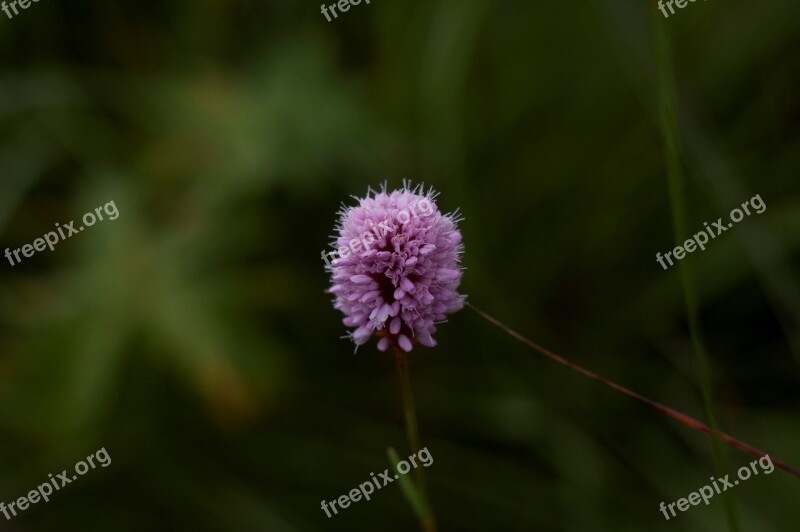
(397,269)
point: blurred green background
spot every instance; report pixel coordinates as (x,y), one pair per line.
(192,337)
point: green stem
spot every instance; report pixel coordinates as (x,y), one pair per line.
(428,524)
(670,131)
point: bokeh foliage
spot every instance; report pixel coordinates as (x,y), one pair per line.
(192,336)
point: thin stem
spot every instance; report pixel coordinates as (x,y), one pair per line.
(674,414)
(673,148)
(412,430)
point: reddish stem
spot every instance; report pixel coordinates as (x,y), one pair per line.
(674,414)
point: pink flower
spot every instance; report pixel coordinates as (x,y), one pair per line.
(398,267)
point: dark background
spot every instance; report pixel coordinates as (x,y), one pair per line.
(192,337)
